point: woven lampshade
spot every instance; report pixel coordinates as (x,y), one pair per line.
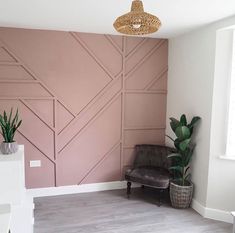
(137,22)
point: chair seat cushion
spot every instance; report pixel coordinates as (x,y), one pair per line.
(152,176)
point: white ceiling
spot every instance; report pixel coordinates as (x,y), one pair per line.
(97,16)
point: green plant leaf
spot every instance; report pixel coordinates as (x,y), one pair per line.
(174,155)
(174,123)
(182,132)
(9,119)
(184,144)
(177,169)
(9,125)
(183,120)
(188,177)
(189,154)
(194,120)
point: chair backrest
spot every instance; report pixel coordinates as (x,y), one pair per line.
(152,155)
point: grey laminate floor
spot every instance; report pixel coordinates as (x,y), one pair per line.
(112,212)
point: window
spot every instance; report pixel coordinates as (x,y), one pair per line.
(230,147)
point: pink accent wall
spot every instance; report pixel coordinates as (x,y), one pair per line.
(85,101)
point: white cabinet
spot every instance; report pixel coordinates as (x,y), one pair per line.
(13,192)
(12,178)
(5,216)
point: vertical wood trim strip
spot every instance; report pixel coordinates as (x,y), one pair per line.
(55,124)
(123,105)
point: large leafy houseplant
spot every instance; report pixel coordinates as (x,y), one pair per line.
(9,125)
(184,148)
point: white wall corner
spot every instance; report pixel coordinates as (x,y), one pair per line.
(198,207)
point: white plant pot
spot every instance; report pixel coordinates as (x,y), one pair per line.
(9,148)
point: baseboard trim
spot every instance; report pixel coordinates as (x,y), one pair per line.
(215,214)
(83,188)
(198,207)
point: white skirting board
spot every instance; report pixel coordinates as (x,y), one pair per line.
(210,213)
(83,188)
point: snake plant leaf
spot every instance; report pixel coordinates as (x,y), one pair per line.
(18,125)
(183,120)
(5,116)
(9,119)
(182,132)
(2,121)
(9,125)
(15,119)
(184,144)
(174,123)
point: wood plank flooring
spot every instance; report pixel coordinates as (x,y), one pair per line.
(112,212)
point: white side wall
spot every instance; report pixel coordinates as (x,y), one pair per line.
(191,91)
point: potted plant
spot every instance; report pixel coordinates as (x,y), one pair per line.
(181,187)
(9,125)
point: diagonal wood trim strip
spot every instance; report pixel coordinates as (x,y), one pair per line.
(145,58)
(23,135)
(84,45)
(90,104)
(136,48)
(156,78)
(100,161)
(90,121)
(36,114)
(113,43)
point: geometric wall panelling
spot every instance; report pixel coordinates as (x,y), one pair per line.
(102,47)
(152,136)
(159,83)
(43,109)
(91,145)
(81,121)
(5,56)
(145,110)
(13,72)
(85,100)
(140,51)
(118,40)
(57,58)
(35,130)
(132,43)
(148,68)
(23,90)
(107,170)
(38,177)
(64,117)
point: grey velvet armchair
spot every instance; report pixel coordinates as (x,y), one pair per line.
(150,167)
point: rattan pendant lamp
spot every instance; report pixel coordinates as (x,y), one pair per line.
(137,22)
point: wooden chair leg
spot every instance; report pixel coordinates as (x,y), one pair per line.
(160,197)
(128,189)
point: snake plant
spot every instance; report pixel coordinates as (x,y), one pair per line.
(9,125)
(184,148)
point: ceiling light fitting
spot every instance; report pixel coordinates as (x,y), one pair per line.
(137,22)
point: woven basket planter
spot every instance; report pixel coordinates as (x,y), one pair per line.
(181,196)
